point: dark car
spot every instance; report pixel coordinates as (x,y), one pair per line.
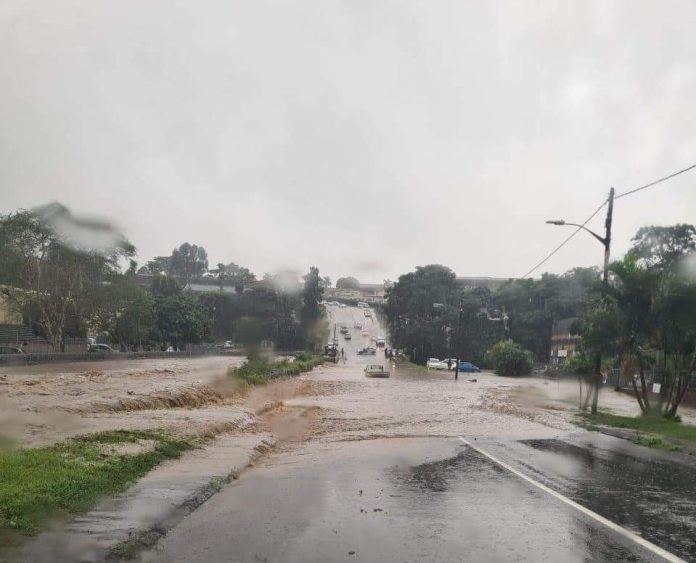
(10,350)
(467,367)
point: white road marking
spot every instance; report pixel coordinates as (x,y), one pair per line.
(608,523)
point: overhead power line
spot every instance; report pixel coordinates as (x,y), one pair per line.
(656,182)
(575,232)
(639,188)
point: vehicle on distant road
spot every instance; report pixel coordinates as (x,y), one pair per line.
(105,348)
(449,363)
(11,350)
(358,326)
(468,367)
(381,343)
(367,351)
(367,313)
(365,333)
(228,344)
(376,371)
(433,363)
(347,336)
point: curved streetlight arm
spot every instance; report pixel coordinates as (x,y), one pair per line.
(595,235)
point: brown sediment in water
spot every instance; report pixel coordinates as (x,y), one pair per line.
(187,397)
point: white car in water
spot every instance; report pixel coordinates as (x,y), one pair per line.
(434,363)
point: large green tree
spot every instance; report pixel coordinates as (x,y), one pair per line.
(50,274)
(311,312)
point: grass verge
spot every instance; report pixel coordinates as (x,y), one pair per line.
(650,431)
(41,483)
(260,370)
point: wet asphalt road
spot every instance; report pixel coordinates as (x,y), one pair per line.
(401,500)
(344,497)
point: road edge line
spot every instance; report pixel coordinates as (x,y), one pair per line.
(601,519)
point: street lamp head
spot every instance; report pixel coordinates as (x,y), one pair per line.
(557,222)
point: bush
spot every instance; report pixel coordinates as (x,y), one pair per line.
(509,358)
(258,371)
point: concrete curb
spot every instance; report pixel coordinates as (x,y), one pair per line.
(120,527)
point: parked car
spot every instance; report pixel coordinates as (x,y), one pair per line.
(449,363)
(228,344)
(358,326)
(468,367)
(103,348)
(347,336)
(11,350)
(433,363)
(380,342)
(367,313)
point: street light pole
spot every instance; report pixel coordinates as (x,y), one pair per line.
(606,242)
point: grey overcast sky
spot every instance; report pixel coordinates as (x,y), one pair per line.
(362,136)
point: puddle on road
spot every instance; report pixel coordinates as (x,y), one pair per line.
(651,496)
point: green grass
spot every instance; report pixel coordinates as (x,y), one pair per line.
(37,484)
(259,371)
(651,431)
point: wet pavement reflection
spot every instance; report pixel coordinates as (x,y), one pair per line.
(651,495)
(405,500)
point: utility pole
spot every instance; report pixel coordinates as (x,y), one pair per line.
(605,291)
(459,328)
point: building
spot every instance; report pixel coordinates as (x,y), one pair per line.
(563,343)
(367,292)
(483,281)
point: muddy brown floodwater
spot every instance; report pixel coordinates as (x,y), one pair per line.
(46,403)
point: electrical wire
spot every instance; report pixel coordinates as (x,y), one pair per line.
(656,182)
(575,232)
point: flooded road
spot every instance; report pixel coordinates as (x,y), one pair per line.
(404,500)
(383,476)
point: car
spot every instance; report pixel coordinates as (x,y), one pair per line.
(449,363)
(11,350)
(433,363)
(347,336)
(468,367)
(376,370)
(358,326)
(367,351)
(380,342)
(101,348)
(367,313)
(343,305)
(228,344)
(365,333)
(373,339)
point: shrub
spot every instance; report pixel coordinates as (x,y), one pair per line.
(509,358)
(258,371)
